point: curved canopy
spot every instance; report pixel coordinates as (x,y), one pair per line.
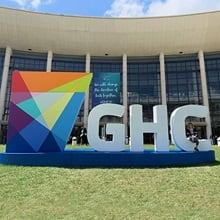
(148,36)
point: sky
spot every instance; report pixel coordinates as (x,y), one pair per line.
(115,8)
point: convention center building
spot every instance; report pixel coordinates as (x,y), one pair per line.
(172,60)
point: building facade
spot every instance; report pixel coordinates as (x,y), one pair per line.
(171,60)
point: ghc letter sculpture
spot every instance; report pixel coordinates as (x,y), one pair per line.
(43,110)
(137,127)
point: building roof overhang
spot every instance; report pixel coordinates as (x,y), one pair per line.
(76,35)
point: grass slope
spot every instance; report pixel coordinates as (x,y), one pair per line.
(60,193)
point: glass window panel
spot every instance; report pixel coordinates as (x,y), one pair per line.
(145,73)
(181,82)
(212,64)
(2,57)
(68,63)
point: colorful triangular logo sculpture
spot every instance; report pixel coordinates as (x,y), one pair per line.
(43,109)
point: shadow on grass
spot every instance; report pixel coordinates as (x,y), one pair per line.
(213,164)
(216,163)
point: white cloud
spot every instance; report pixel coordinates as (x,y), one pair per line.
(139,8)
(32,4)
(126,8)
(21,3)
(35,3)
(176,7)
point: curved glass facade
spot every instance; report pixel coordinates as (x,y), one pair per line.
(182,79)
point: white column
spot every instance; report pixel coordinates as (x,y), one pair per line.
(125,91)
(204,90)
(49,60)
(162,80)
(4,82)
(86,102)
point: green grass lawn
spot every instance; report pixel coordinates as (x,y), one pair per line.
(157,193)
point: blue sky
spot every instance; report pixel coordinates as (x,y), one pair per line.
(115,8)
